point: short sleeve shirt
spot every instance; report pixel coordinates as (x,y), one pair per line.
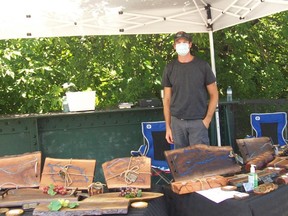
(189,92)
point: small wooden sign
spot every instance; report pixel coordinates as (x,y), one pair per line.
(70,173)
(19,171)
(128,172)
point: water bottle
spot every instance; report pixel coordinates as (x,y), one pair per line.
(65,104)
(229,93)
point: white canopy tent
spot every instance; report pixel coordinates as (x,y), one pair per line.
(57,18)
(54,18)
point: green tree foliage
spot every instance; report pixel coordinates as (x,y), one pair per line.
(250,57)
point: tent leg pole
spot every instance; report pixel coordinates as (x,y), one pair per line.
(211,40)
(212,54)
(218,126)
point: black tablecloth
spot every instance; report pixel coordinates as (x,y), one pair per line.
(156,207)
(194,204)
(171,204)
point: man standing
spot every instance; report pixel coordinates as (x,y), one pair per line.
(187,82)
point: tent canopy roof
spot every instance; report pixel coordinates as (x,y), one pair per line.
(53,18)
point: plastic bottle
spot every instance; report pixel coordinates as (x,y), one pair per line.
(253,177)
(65,104)
(229,93)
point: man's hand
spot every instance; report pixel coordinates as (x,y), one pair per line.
(169,136)
(206,122)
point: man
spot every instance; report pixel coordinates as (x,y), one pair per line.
(186,82)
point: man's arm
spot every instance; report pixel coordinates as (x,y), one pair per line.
(213,101)
(167,113)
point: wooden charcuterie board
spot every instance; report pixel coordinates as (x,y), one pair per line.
(118,172)
(19,171)
(100,204)
(87,208)
(20,197)
(70,173)
(114,196)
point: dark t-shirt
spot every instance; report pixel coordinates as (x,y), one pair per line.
(188,82)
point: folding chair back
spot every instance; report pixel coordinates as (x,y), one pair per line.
(154,147)
(271,125)
(156,144)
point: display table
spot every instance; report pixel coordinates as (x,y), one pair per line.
(172,204)
(194,204)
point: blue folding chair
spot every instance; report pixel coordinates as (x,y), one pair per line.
(154,146)
(271,125)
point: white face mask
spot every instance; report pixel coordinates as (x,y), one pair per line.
(182,49)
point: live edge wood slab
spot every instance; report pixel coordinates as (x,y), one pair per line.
(201,161)
(100,204)
(29,196)
(88,208)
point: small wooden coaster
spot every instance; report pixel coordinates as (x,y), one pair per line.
(229,188)
(241,195)
(265,188)
(14,212)
(3,210)
(139,204)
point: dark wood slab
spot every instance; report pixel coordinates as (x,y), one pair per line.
(20,197)
(252,147)
(20,171)
(116,171)
(201,161)
(71,173)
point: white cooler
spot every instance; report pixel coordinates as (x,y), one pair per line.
(81,101)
